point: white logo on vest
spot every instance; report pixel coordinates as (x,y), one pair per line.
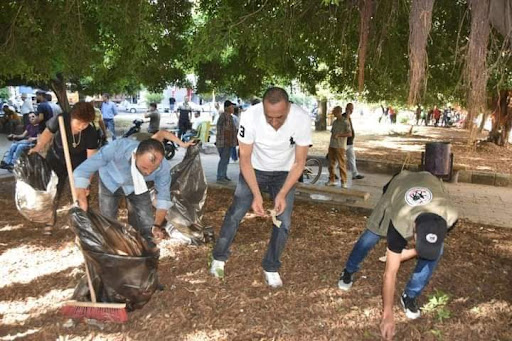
(418,196)
(431,238)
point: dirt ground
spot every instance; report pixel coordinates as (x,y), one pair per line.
(392,143)
(471,286)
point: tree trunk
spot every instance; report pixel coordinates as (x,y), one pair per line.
(420,22)
(476,71)
(58,85)
(365,8)
(502,119)
(321,119)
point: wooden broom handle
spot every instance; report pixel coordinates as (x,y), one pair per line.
(65,146)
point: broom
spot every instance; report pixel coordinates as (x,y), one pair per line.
(110,312)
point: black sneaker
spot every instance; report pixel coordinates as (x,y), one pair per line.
(358,177)
(411,308)
(346,280)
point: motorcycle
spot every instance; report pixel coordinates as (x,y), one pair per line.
(169,146)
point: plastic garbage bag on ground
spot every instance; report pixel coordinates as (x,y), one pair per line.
(123,268)
(188,195)
(36,188)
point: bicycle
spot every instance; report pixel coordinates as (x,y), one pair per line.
(312,171)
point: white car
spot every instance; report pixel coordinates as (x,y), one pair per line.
(132,107)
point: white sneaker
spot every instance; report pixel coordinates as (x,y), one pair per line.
(217,268)
(330,183)
(273,279)
(344,185)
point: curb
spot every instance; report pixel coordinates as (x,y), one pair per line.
(460,173)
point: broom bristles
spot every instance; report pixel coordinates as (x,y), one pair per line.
(118,315)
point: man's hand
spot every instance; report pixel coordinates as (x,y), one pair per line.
(157,232)
(279,203)
(257,206)
(188,144)
(81,195)
(387,328)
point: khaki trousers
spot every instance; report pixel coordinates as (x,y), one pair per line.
(337,155)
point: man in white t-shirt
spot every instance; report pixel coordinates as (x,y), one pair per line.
(26,108)
(274,137)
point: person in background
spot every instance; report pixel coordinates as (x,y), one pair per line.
(10,120)
(184,116)
(236,120)
(109,111)
(172,104)
(418,114)
(226,140)
(351,155)
(99,125)
(154,118)
(340,131)
(437,115)
(26,108)
(21,142)
(56,109)
(44,110)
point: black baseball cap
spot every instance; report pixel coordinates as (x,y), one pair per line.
(430,232)
(228,103)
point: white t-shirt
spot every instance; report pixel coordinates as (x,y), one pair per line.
(274,150)
(26,107)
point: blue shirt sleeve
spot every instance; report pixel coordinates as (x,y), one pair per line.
(163,187)
(83,173)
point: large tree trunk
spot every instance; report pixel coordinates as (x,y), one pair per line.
(420,22)
(321,120)
(58,85)
(502,119)
(476,70)
(365,8)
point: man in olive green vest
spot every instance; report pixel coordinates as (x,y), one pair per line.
(413,205)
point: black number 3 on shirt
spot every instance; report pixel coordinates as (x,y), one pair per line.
(242,131)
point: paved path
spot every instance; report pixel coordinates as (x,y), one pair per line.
(478,203)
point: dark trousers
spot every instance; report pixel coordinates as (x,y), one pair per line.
(222,166)
(140,212)
(270,182)
(183,126)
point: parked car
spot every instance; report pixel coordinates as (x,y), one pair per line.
(132,107)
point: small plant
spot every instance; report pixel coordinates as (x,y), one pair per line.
(437,304)
(437,333)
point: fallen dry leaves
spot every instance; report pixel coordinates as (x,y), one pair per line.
(475,271)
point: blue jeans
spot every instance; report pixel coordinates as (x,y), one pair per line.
(109,124)
(271,182)
(15,151)
(222,167)
(140,209)
(419,278)
(234,154)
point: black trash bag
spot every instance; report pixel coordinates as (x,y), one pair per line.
(123,268)
(36,188)
(188,195)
